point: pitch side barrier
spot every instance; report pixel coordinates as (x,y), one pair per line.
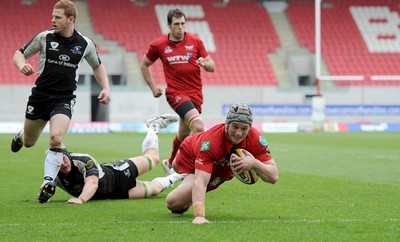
(280,112)
(265,127)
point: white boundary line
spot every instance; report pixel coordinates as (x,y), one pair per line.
(289,221)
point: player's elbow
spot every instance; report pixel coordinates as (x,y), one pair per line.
(271,178)
(274,179)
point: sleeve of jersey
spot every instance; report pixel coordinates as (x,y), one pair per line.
(152,53)
(262,151)
(34,45)
(92,57)
(92,166)
(202,49)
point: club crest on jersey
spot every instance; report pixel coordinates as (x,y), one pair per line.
(77,50)
(167,50)
(205,145)
(189,47)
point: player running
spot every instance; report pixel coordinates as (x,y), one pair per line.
(183,55)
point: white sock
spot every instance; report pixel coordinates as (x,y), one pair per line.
(52,165)
(169,180)
(164,181)
(150,141)
(174,177)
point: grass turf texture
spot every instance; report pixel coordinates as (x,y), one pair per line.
(332,187)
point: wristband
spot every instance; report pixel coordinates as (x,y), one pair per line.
(199,209)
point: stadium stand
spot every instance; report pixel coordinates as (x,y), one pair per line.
(238,45)
(19,23)
(359,37)
(241,46)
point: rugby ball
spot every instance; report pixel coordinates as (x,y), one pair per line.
(247,177)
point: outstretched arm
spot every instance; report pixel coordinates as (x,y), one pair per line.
(88,191)
(199,190)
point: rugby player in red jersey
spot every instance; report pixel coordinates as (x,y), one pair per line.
(203,159)
(182,55)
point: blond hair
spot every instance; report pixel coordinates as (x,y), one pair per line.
(68,6)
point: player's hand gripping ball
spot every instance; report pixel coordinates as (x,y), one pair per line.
(247,177)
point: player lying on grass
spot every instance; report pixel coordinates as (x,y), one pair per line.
(84,178)
(204,159)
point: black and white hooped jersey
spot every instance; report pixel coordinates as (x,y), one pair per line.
(60,59)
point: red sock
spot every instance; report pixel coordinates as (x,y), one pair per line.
(175,146)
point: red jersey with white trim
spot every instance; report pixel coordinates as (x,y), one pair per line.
(181,71)
(209,151)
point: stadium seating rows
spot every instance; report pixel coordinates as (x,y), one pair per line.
(242,32)
(233,28)
(344,49)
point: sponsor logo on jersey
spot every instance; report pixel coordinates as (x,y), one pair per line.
(178,59)
(263,141)
(199,161)
(64,57)
(205,145)
(89,164)
(54,45)
(167,50)
(268,152)
(77,50)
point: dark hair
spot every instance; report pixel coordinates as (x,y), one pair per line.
(177,13)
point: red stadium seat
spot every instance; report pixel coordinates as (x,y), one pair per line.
(343,47)
(244,53)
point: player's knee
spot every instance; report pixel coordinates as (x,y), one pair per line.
(56,140)
(178,208)
(155,159)
(174,203)
(197,127)
(151,162)
(195,123)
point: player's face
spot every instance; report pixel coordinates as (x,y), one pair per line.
(237,131)
(177,28)
(66,165)
(60,22)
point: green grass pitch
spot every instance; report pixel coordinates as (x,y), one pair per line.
(332,187)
